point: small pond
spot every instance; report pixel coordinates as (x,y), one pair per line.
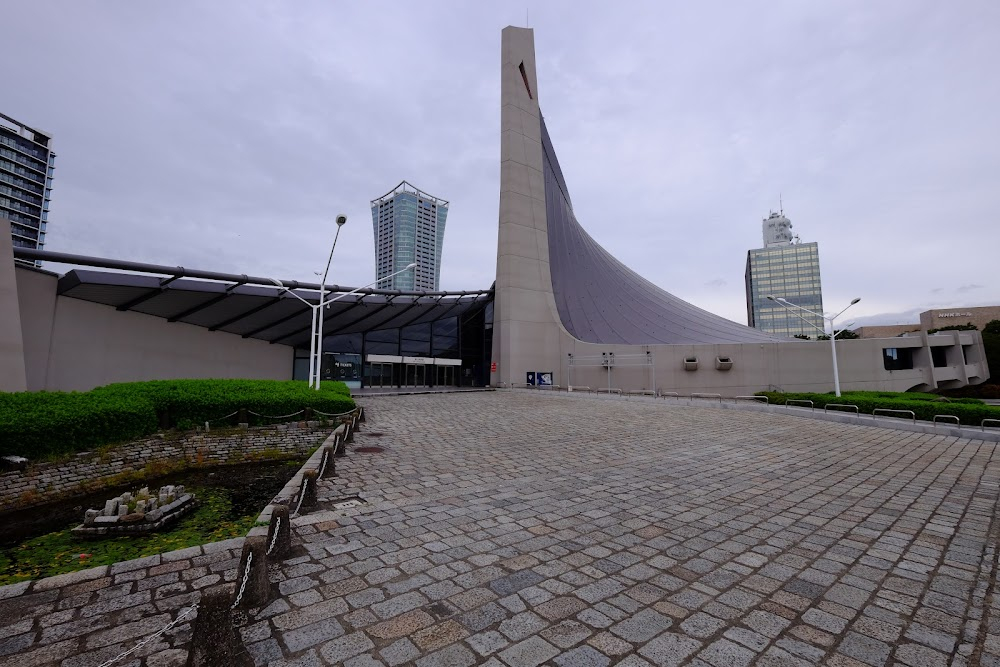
(37,543)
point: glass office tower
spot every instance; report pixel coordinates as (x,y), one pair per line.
(26,167)
(785,269)
(409,227)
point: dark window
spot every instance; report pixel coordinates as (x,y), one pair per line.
(897,359)
(940,357)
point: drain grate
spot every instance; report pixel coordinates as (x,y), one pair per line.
(369,450)
(348,502)
(373,434)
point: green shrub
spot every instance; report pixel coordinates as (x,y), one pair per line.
(39,424)
(970,411)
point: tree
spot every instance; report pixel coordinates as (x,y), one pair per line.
(802,337)
(841,334)
(968,326)
(992,327)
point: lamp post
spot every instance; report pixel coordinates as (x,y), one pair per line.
(316,335)
(316,338)
(787,305)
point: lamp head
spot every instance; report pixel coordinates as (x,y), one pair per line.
(855,300)
(341,220)
(771,298)
(410,266)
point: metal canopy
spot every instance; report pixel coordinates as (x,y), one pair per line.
(248,306)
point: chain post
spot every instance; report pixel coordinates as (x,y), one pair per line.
(252,574)
(280,536)
(214,641)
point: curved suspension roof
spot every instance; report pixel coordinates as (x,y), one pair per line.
(600,300)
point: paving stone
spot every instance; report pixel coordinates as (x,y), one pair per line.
(920,656)
(437,636)
(669,649)
(399,652)
(345,647)
(312,634)
(560,608)
(724,653)
(702,625)
(642,627)
(529,653)
(566,633)
(583,656)
(867,650)
(522,625)
(455,655)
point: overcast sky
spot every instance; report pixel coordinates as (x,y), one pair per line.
(226,135)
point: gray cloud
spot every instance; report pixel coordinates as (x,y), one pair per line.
(227,135)
(969,288)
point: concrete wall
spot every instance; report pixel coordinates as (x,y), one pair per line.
(529,334)
(946,317)
(12,372)
(75,345)
(42,483)
(886,331)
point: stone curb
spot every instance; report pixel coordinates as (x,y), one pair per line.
(291,489)
(66,579)
(894,424)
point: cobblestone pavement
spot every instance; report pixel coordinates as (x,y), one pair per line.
(523,529)
(82,619)
(520,529)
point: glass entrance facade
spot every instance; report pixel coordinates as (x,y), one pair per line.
(450,351)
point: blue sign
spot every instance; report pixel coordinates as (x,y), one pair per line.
(544,379)
(530,379)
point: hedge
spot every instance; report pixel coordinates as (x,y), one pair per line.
(970,411)
(44,423)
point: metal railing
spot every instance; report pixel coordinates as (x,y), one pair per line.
(957,421)
(669,394)
(607,390)
(574,387)
(700,395)
(788,403)
(982,425)
(751,398)
(890,412)
(827,407)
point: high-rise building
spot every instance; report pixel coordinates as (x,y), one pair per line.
(409,227)
(26,166)
(785,269)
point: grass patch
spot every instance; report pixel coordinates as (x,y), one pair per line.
(44,424)
(970,411)
(59,552)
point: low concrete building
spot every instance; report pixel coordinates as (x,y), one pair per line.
(887,331)
(570,313)
(945,317)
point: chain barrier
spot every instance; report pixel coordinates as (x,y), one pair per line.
(150,638)
(274,539)
(302,495)
(322,468)
(246,578)
(330,414)
(219,419)
(257,414)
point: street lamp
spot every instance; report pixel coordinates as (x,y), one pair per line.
(316,337)
(786,304)
(316,350)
